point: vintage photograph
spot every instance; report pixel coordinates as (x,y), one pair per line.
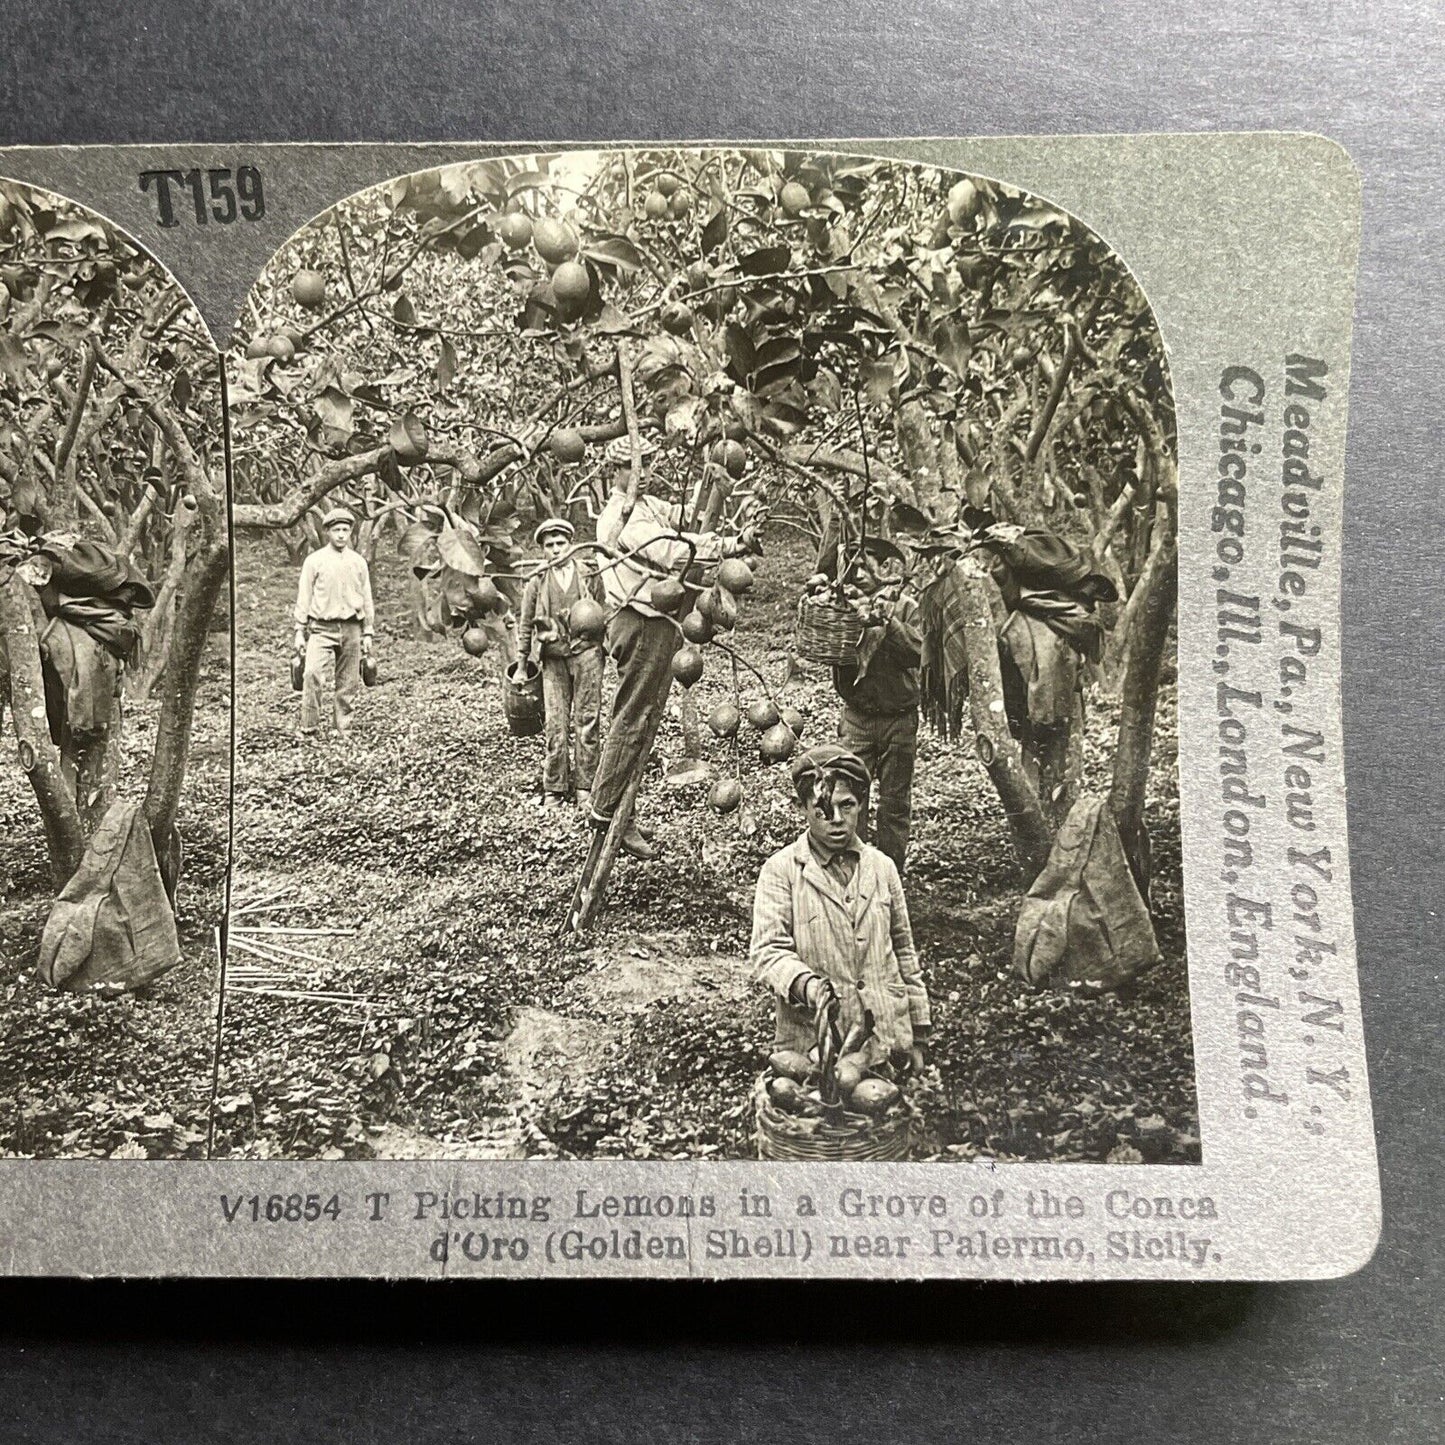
(114,693)
(705,678)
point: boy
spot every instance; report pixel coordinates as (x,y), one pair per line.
(830,921)
(335,623)
(571,666)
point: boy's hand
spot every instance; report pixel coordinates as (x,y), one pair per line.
(298,640)
(917,1058)
(818,993)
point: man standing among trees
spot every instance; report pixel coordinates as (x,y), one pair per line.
(572,665)
(335,623)
(879,718)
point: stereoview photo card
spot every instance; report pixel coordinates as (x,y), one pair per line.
(678,710)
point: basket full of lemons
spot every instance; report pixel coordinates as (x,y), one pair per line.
(832,1103)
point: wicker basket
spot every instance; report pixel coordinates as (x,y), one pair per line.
(797,1137)
(826,632)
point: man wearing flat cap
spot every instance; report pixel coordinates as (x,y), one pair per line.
(571,666)
(335,623)
(830,921)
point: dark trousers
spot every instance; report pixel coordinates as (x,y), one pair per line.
(572,698)
(642,647)
(888,746)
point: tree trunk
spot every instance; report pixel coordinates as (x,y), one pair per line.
(922,462)
(1053,759)
(367,536)
(691,731)
(63,501)
(39,757)
(717,495)
(95,768)
(158,632)
(205,575)
(997,748)
(1150,634)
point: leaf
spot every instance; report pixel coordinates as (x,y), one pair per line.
(64,333)
(765,261)
(907,519)
(952,342)
(610,321)
(740,351)
(335,409)
(774,353)
(525,181)
(475,241)
(683,418)
(75,230)
(826,389)
(784,420)
(181,388)
(748,410)
(446,365)
(408,438)
(1040,218)
(415,540)
(12,358)
(615,251)
(715,232)
(461,551)
(877,378)
(402,310)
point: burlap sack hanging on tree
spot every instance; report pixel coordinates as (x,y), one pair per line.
(112,923)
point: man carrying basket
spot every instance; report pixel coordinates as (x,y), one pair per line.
(571,666)
(335,624)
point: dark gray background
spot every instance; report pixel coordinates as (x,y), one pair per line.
(1356,1360)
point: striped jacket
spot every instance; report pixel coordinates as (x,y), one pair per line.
(858,936)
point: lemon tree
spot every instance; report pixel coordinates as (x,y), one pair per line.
(110,431)
(837,344)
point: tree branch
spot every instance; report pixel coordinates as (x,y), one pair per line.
(629,417)
(1060,383)
(201,584)
(1153,607)
(198,477)
(64,503)
(997,748)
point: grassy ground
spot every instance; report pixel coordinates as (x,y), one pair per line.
(126,1077)
(422,839)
